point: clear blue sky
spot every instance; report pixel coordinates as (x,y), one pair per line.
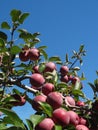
(64,25)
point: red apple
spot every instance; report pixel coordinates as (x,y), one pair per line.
(64,70)
(36,100)
(69,101)
(65,78)
(82,121)
(61,117)
(74,118)
(49,67)
(35,69)
(55,99)
(47,88)
(80,103)
(45,124)
(19,100)
(37,80)
(34,54)
(24,55)
(75,79)
(81,127)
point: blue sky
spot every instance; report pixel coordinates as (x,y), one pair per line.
(64,25)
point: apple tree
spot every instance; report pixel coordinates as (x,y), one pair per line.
(56,86)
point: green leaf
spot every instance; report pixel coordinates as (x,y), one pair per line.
(15,50)
(15,15)
(41,67)
(62,85)
(58,127)
(55,59)
(78,93)
(35,119)
(44,54)
(13,117)
(81,48)
(14,128)
(5,25)
(92,86)
(2,126)
(2,43)
(23,17)
(29,123)
(46,108)
(3,36)
(67,60)
(42,47)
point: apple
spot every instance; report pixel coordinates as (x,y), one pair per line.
(55,99)
(34,54)
(24,55)
(36,69)
(37,80)
(65,78)
(45,124)
(82,121)
(19,100)
(81,127)
(61,117)
(69,101)
(36,100)
(64,70)
(50,67)
(75,79)
(74,118)
(80,103)
(47,88)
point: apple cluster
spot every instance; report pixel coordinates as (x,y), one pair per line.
(63,106)
(29,54)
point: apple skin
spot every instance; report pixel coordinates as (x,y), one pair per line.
(74,118)
(36,100)
(20,100)
(81,127)
(37,80)
(34,54)
(24,55)
(64,70)
(55,99)
(75,79)
(65,78)
(82,121)
(45,124)
(61,117)
(70,101)
(80,103)
(47,88)
(50,67)
(35,69)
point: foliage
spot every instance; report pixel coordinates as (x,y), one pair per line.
(18,62)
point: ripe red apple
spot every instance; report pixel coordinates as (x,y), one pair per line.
(82,121)
(34,54)
(49,67)
(37,80)
(47,88)
(45,124)
(61,117)
(19,100)
(35,69)
(75,79)
(69,101)
(65,78)
(55,99)
(24,55)
(81,127)
(80,103)
(36,100)
(64,70)
(74,118)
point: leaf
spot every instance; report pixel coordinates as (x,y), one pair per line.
(2,43)
(5,25)
(44,54)
(14,128)
(29,123)
(78,93)
(2,126)
(92,86)
(55,59)
(35,119)
(13,117)
(46,108)
(76,68)
(81,48)
(42,47)
(23,17)
(15,15)
(15,50)
(58,127)
(3,36)
(67,60)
